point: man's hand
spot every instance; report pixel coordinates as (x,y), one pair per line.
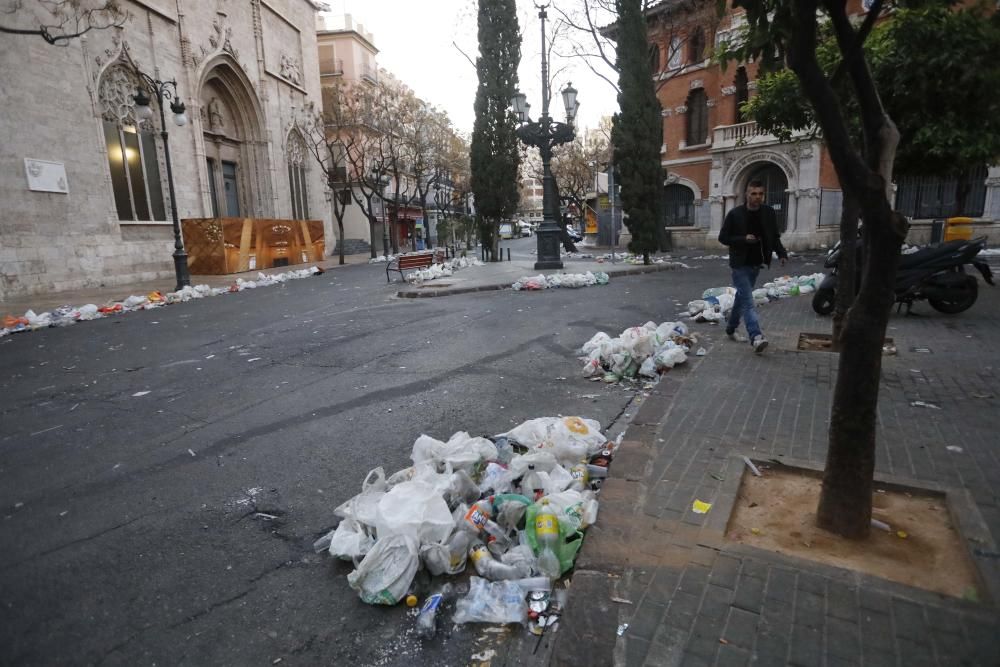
(751,238)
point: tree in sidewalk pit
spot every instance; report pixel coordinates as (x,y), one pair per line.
(495,147)
(636,130)
(60,21)
(787,32)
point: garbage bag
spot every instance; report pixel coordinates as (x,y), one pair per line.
(385,573)
(362,507)
(447,557)
(569,438)
(491,602)
(415,509)
(462,451)
(349,541)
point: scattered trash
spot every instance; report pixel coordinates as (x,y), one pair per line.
(716,302)
(442,270)
(755,531)
(881,525)
(701,352)
(889,350)
(646,351)
(717,476)
(924,404)
(621,600)
(140,393)
(552,280)
(67,315)
(901,534)
(700,507)
(622,628)
(954,448)
(753,468)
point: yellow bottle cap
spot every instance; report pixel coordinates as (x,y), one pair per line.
(411,600)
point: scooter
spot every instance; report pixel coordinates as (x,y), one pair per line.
(936,273)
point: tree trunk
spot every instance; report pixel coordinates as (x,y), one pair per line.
(846,267)
(846,497)
(962,188)
(340,226)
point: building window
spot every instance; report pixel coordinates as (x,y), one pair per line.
(697,117)
(674,61)
(295,155)
(935,196)
(678,206)
(132,151)
(654,58)
(742,94)
(696,46)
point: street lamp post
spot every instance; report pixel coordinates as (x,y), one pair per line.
(377,174)
(545,134)
(166,91)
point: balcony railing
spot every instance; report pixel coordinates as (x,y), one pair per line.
(369,72)
(745,134)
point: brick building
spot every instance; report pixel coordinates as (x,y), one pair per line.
(709,151)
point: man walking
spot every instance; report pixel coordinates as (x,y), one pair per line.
(751,232)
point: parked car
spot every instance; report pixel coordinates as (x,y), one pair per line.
(506,230)
(525,228)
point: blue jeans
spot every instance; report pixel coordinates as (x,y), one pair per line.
(744,279)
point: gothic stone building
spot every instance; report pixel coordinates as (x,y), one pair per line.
(84,181)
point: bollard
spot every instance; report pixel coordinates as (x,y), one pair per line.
(508,254)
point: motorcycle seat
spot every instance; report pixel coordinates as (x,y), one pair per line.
(929,254)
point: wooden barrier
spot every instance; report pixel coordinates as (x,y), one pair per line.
(217,246)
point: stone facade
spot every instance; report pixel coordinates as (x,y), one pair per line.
(244,70)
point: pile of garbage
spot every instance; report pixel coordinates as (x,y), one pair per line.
(542,281)
(643,351)
(716,302)
(67,315)
(442,270)
(515,506)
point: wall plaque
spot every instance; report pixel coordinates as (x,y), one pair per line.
(45,176)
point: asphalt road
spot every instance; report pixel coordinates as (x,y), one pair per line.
(164,474)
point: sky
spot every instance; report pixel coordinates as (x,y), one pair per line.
(415,42)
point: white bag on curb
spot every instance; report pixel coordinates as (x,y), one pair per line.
(350,541)
(415,509)
(387,571)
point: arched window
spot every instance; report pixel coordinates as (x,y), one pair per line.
(742,95)
(697,117)
(696,46)
(296,155)
(654,58)
(678,206)
(131,145)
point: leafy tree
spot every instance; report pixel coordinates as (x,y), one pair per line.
(495,147)
(60,21)
(636,156)
(787,32)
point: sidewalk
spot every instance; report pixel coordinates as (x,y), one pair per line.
(689,597)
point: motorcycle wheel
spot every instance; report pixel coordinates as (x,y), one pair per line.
(823,301)
(962,300)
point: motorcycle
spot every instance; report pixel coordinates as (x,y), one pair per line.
(936,273)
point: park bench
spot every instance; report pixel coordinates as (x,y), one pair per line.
(420,260)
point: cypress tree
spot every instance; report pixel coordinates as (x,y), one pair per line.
(494,153)
(636,131)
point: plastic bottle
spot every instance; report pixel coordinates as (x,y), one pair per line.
(477,516)
(505,451)
(427,618)
(531,484)
(581,476)
(498,542)
(547,537)
(488,568)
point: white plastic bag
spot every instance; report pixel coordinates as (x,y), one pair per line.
(415,509)
(362,507)
(491,602)
(350,541)
(386,572)
(447,557)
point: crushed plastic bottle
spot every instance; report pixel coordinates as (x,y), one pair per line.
(427,618)
(477,516)
(498,542)
(505,451)
(491,569)
(581,476)
(547,536)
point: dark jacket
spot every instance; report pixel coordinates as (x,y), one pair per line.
(734,235)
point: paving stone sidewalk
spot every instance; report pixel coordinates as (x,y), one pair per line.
(691,598)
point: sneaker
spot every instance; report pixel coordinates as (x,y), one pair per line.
(759,344)
(733,336)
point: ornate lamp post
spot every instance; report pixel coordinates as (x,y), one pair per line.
(166,91)
(377,177)
(545,134)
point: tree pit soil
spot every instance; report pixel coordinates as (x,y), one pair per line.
(777,512)
(823,342)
